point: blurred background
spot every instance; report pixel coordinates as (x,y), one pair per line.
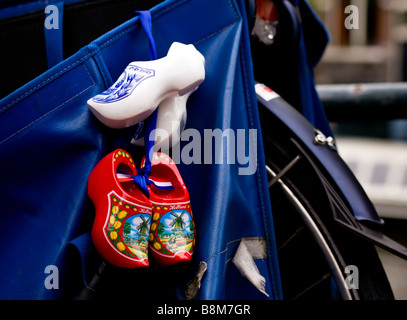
(376,151)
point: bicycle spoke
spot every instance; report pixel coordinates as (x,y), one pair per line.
(312,286)
(318,237)
(282,172)
(295,234)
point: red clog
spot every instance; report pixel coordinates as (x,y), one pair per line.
(172,232)
(123,212)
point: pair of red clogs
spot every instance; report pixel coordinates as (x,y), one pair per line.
(129,226)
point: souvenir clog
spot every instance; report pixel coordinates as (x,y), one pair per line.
(172,232)
(144,84)
(123,213)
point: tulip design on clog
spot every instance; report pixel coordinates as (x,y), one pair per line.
(172,232)
(123,212)
(144,84)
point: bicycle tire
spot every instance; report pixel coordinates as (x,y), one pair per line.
(308,270)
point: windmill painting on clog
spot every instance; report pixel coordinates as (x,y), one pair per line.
(172,232)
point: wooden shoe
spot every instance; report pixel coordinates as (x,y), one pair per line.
(172,232)
(123,212)
(144,84)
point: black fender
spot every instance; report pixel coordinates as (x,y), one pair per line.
(350,207)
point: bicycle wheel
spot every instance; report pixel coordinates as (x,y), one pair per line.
(316,253)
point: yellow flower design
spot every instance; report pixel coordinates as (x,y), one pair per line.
(121,246)
(122,214)
(113,235)
(117,225)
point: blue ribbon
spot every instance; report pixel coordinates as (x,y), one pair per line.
(145,19)
(142,178)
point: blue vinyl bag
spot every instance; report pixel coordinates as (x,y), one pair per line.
(50,142)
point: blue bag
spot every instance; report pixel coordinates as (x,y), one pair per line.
(50,142)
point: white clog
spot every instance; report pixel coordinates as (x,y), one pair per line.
(145,84)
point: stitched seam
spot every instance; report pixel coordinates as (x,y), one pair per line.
(108,42)
(215,33)
(51,111)
(56,75)
(224,28)
(165,10)
(168,8)
(120,35)
(103,45)
(159,14)
(134,26)
(103,69)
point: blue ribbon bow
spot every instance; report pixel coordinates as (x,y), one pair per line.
(142,179)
